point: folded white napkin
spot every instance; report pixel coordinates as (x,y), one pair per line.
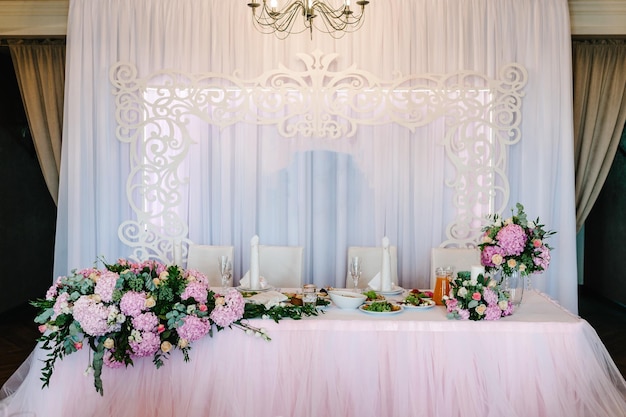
(375,283)
(245,281)
(268,299)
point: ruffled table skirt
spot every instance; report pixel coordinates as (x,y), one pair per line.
(542,361)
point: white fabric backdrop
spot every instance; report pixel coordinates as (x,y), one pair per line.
(319,196)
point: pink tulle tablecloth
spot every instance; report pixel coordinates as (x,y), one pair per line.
(542,361)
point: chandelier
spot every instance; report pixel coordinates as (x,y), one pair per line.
(336,20)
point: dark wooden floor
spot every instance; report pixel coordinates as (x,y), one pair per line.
(18,331)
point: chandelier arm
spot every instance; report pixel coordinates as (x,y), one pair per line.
(335,21)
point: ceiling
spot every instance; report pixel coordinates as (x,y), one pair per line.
(48,18)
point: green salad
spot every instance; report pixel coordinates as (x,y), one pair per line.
(380,307)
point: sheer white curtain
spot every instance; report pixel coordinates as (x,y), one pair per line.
(322,194)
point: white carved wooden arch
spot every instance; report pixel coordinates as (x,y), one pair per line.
(482,117)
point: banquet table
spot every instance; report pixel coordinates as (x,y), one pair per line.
(541,361)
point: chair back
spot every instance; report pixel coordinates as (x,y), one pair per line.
(203,258)
(371,263)
(461,259)
(282,266)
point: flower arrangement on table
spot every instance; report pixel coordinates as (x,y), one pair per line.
(128,311)
(515,244)
(477,299)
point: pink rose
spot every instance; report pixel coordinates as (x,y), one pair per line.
(537,243)
(203,307)
(476,296)
(42,328)
(78,345)
(160,328)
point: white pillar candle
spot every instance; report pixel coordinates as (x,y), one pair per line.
(475,271)
(385,273)
(254,263)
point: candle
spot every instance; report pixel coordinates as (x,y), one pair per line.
(385,273)
(254,263)
(475,271)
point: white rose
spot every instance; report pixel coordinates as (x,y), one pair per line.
(481,309)
(150,302)
(503,304)
(522,267)
(531,224)
(508,221)
(183,343)
(462,292)
(166,346)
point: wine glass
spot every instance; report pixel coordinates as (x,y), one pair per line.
(355,271)
(226,269)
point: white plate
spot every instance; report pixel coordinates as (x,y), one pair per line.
(409,306)
(394,291)
(245,289)
(380,313)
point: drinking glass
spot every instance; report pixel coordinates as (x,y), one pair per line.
(355,271)
(309,294)
(226,269)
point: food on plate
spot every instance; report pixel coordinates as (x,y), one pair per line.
(248,294)
(381,307)
(296,300)
(419,298)
(373,296)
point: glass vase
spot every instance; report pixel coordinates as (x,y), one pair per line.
(514,284)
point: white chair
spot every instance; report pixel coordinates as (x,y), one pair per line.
(282,266)
(461,259)
(203,258)
(371,263)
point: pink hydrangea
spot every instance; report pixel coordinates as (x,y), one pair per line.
(91,315)
(148,345)
(543,257)
(146,322)
(493,312)
(105,286)
(193,328)
(230,311)
(463,314)
(61,305)
(509,310)
(53,290)
(490,297)
(512,239)
(196,290)
(486,256)
(133,303)
(193,275)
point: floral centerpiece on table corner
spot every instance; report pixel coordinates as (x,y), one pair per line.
(515,243)
(477,299)
(128,311)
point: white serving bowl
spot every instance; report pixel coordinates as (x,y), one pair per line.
(347,299)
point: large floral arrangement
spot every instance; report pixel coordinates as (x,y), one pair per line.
(128,311)
(477,299)
(515,243)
